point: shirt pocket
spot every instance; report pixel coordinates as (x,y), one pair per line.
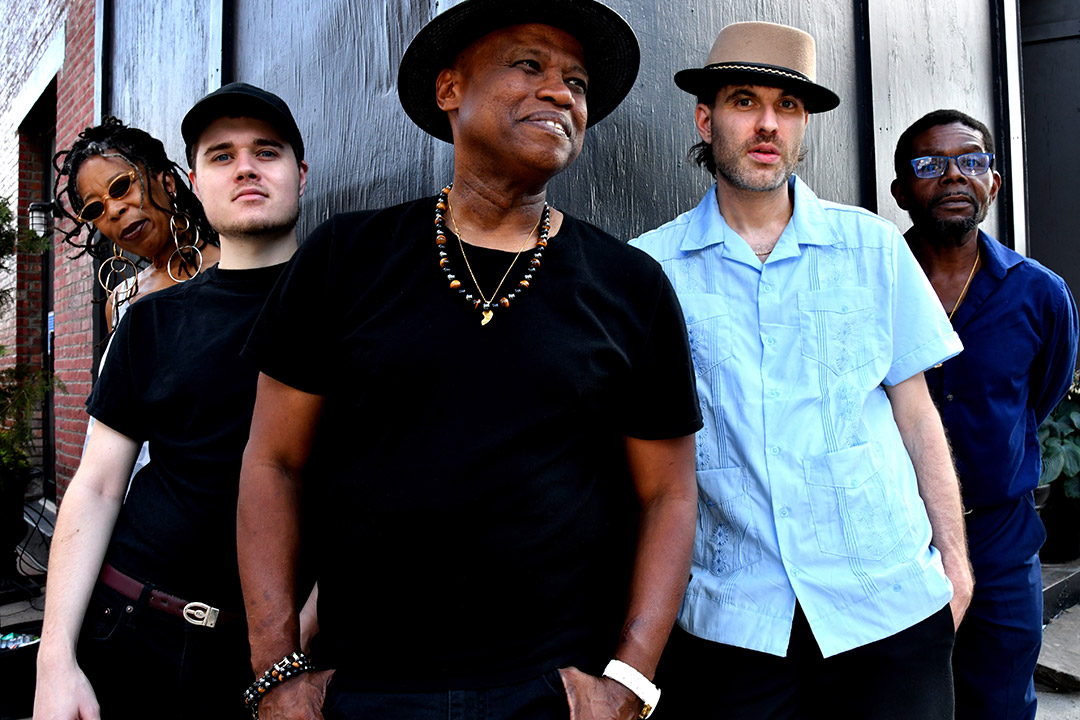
(856,507)
(837,327)
(708,329)
(727,537)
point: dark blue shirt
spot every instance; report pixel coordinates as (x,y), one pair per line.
(1018,324)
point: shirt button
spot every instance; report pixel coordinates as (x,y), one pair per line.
(784,512)
(774,393)
(767,287)
(774,450)
(843,308)
(794,572)
(896,588)
(949,397)
(770,340)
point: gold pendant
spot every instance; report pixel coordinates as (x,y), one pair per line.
(487,317)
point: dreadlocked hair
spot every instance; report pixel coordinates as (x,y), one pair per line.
(146,154)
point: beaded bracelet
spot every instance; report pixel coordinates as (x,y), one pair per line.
(287,667)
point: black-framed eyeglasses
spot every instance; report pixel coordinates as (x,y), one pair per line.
(934,166)
(118,188)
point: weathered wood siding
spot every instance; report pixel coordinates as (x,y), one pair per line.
(336,65)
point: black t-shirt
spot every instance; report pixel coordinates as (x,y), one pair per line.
(174,377)
(474,521)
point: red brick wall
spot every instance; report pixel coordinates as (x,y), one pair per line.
(29,299)
(26,53)
(28,303)
(73,278)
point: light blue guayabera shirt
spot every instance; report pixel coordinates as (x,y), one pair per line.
(805,488)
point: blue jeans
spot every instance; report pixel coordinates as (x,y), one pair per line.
(142,662)
(541,698)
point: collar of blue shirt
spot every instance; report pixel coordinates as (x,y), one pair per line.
(808,221)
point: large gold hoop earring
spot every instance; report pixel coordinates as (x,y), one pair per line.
(190,255)
(113,273)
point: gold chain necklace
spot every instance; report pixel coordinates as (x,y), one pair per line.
(488,314)
(483,304)
(963,292)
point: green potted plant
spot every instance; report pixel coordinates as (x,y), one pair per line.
(22,389)
(1059,440)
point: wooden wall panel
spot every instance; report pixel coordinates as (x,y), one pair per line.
(336,65)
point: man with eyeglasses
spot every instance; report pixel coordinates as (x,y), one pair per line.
(829,566)
(1018,323)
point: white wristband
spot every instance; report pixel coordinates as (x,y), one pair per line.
(636,683)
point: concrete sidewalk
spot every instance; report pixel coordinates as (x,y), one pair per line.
(1059,668)
(1056,706)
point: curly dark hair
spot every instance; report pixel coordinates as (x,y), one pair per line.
(139,149)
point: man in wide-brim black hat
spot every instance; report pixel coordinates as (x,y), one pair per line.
(499,402)
(824,474)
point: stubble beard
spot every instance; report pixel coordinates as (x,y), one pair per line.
(947,232)
(728,159)
(260,227)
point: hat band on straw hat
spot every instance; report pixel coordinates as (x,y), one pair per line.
(772,70)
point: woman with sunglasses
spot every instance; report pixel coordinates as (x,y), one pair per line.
(117,183)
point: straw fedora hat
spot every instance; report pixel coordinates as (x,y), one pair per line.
(611,51)
(760,53)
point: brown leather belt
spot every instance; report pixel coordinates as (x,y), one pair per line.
(196,613)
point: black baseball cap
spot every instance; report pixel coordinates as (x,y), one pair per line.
(240,100)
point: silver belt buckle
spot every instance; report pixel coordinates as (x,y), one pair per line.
(198,613)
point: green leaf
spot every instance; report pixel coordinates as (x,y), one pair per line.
(1072,488)
(1071,451)
(1053,463)
(1058,427)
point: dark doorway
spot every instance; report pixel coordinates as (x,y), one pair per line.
(1050,36)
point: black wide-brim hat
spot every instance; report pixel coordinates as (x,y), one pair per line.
(761,53)
(241,100)
(611,50)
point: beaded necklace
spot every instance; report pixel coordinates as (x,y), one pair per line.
(485,306)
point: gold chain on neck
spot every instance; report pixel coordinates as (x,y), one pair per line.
(506,274)
(963,292)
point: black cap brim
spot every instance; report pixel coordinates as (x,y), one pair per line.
(611,50)
(707,80)
(241,100)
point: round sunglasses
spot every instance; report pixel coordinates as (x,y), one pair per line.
(118,188)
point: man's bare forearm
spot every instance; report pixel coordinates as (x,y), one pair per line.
(268,516)
(268,548)
(665,543)
(661,571)
(924,438)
